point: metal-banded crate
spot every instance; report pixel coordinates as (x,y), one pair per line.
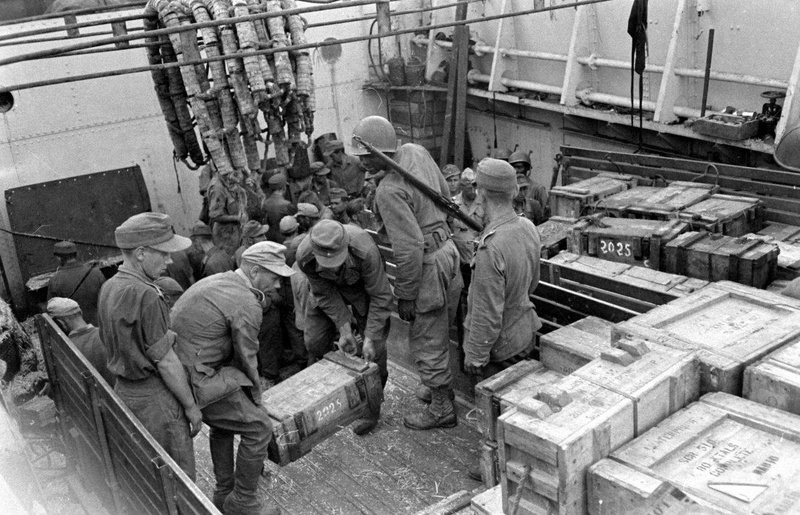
(726,214)
(715,257)
(574,200)
(731,326)
(624,240)
(723,452)
(316,402)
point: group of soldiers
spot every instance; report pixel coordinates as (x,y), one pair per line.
(180,358)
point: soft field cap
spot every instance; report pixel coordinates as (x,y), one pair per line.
(333,146)
(201,229)
(269,255)
(152,230)
(309,210)
(329,243)
(337,193)
(63,248)
(496,175)
(277,181)
(62,307)
(450,171)
(468,176)
(288,224)
(319,168)
(252,229)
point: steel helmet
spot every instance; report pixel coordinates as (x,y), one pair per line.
(500,153)
(378,132)
(520,156)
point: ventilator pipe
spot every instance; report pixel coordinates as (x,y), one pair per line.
(476,76)
(596,62)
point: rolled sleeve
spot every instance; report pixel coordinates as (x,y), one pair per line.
(158,350)
(158,339)
(407,241)
(485,321)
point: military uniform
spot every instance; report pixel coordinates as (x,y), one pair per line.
(349,175)
(67,278)
(134,326)
(537,198)
(88,341)
(181,269)
(224,202)
(216,261)
(276,208)
(360,284)
(427,260)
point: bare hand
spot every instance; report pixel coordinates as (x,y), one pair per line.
(347,342)
(195,419)
(368,351)
(476,370)
(406,310)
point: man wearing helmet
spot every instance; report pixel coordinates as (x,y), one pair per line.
(537,194)
(427,277)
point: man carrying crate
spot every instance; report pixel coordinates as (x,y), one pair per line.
(217,322)
(345,270)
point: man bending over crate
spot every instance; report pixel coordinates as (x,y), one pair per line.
(346,272)
(501,319)
(217,322)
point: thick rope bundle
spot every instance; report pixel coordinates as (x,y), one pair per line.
(231,99)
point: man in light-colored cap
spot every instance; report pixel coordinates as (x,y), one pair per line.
(463,236)
(75,280)
(276,207)
(321,183)
(86,337)
(134,326)
(217,322)
(339,205)
(346,272)
(452,175)
(501,319)
(202,242)
(346,170)
(252,233)
(289,227)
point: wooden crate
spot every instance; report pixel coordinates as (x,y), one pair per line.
(553,235)
(489,502)
(775,380)
(715,257)
(572,201)
(567,349)
(665,203)
(316,402)
(624,240)
(548,441)
(618,204)
(726,214)
(734,454)
(730,325)
(496,395)
(788,266)
(660,380)
(781,232)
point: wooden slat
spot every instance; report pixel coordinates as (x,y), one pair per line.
(607,296)
(583,303)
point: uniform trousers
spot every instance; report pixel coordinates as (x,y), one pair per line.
(237,414)
(160,412)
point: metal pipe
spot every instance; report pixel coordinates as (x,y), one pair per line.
(74,12)
(240,55)
(476,76)
(593,62)
(71,26)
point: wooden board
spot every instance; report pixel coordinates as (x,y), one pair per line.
(496,395)
(734,454)
(624,240)
(573,201)
(548,442)
(573,346)
(489,502)
(676,197)
(317,401)
(730,324)
(775,380)
(726,214)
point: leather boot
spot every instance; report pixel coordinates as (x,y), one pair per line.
(440,412)
(423,393)
(222,458)
(364,425)
(244,499)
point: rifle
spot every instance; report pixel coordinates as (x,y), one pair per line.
(446,205)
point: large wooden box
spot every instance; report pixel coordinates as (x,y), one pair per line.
(775,380)
(714,257)
(553,235)
(788,266)
(726,214)
(730,325)
(316,402)
(573,201)
(618,204)
(567,349)
(656,203)
(548,441)
(625,240)
(496,395)
(733,454)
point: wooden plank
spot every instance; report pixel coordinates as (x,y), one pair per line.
(573,346)
(489,502)
(449,505)
(582,303)
(606,296)
(670,87)
(573,69)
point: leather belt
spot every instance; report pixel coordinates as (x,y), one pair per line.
(435,239)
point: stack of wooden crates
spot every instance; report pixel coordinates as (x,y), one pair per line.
(418,117)
(612,420)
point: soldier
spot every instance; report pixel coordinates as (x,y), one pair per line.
(452,175)
(170,288)
(252,233)
(345,270)
(307,215)
(346,170)
(339,205)
(428,279)
(202,242)
(226,205)
(321,184)
(86,337)
(536,194)
(78,281)
(217,324)
(276,206)
(501,319)
(134,326)
(463,236)
(216,261)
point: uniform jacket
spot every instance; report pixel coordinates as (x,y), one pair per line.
(408,216)
(501,319)
(216,262)
(361,282)
(222,201)
(276,207)
(217,322)
(67,277)
(349,175)
(88,341)
(464,237)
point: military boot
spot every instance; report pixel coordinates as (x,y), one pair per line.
(440,412)
(423,393)
(364,425)
(244,499)
(222,458)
